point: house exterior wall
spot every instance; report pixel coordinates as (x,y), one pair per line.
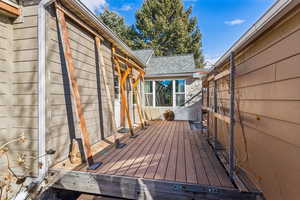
(267,92)
(19,98)
(188,112)
(19,94)
(63,124)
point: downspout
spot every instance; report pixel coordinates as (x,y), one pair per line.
(43,163)
(42,158)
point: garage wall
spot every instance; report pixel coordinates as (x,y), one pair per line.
(268,97)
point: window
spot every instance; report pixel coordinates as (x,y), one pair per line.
(164,93)
(148,89)
(180,92)
(116,87)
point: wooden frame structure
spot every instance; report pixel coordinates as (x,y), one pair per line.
(61,12)
(124,75)
(74,88)
(217,116)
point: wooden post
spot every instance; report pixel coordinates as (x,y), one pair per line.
(232,121)
(74,88)
(107,89)
(208,113)
(215,119)
(123,77)
(135,89)
(201,115)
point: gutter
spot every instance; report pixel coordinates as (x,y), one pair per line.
(267,20)
(42,158)
(107,30)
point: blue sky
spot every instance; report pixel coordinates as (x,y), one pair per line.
(221,22)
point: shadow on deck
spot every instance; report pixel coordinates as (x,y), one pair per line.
(168,160)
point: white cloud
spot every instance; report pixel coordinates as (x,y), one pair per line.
(95,5)
(126,7)
(235,22)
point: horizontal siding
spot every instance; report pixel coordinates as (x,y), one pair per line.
(18,85)
(268,99)
(63,125)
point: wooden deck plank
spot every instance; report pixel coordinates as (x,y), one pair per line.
(137,153)
(126,157)
(180,168)
(191,175)
(150,173)
(168,151)
(219,170)
(163,164)
(118,153)
(171,169)
(131,171)
(147,160)
(210,172)
(200,169)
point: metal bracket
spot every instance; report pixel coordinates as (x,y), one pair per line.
(196,189)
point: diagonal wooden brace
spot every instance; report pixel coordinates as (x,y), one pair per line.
(74,88)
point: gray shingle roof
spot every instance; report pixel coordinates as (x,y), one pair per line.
(144,54)
(170,65)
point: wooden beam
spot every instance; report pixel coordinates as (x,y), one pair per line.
(74,86)
(10,9)
(129,62)
(94,33)
(75,19)
(105,81)
(232,113)
(222,74)
(215,141)
(221,117)
(137,97)
(210,78)
(139,188)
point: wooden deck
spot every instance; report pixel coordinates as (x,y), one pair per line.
(167,160)
(166,151)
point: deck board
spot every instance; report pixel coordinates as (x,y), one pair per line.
(168,151)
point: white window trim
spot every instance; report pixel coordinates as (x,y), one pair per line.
(174,92)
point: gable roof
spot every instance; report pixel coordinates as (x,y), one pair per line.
(144,54)
(171,65)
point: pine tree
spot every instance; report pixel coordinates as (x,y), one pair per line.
(168,28)
(117,24)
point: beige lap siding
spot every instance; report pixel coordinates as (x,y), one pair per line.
(267,83)
(18,89)
(63,123)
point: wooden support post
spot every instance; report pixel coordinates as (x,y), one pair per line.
(123,78)
(135,89)
(105,81)
(74,88)
(215,140)
(201,115)
(208,115)
(232,121)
